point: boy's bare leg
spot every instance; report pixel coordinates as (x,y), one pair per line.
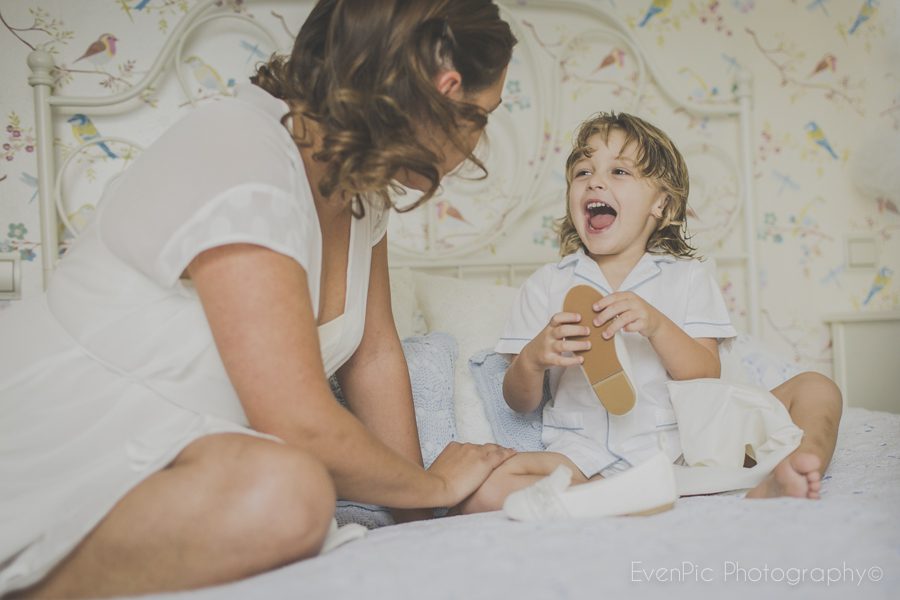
(815,405)
(517,473)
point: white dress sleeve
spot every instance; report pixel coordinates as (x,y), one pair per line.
(529,313)
(707,315)
(250,214)
(227,173)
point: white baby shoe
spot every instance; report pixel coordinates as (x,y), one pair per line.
(338,536)
(645,489)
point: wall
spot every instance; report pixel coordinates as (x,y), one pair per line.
(825,62)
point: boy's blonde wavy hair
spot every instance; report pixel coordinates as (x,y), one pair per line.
(362,71)
(657,159)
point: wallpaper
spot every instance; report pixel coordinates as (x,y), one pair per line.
(826,126)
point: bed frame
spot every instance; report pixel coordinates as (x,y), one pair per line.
(556,78)
(549,90)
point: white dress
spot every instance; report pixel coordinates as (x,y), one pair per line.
(110,374)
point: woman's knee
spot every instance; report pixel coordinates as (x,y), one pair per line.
(275,495)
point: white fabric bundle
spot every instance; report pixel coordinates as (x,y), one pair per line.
(719,423)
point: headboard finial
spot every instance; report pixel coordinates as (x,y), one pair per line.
(41,64)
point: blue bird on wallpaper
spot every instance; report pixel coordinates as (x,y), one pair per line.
(656,7)
(817,4)
(140,5)
(882,278)
(84,131)
(865,13)
(815,133)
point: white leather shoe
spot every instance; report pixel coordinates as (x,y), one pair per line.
(338,536)
(645,489)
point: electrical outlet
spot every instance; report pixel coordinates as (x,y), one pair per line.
(10,276)
(862,251)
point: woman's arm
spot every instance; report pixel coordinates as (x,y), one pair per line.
(259,309)
(375,380)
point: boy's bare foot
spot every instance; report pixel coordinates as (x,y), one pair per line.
(796,476)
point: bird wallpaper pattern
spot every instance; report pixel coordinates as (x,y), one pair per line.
(825,130)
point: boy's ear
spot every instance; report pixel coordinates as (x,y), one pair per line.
(657,209)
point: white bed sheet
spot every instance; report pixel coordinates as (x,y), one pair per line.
(706,547)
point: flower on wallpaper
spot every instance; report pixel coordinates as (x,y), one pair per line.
(546,235)
(514,98)
(17,231)
(769,144)
(802,228)
(18,138)
(711,14)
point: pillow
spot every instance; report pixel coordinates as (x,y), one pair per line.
(747,360)
(404,306)
(474,313)
(520,431)
(430,360)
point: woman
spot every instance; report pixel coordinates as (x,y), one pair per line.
(170,423)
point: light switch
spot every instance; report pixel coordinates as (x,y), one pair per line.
(10,276)
(862,252)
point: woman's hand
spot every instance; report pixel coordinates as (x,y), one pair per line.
(628,311)
(548,347)
(464,467)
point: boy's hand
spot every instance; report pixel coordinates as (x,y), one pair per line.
(547,348)
(628,311)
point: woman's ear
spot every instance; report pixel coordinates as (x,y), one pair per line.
(449,83)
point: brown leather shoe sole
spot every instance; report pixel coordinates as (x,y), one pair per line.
(601,363)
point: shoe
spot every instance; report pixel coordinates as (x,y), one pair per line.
(603,362)
(645,489)
(338,536)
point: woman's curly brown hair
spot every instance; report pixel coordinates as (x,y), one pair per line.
(362,71)
(657,158)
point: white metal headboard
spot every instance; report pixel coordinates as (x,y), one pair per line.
(548,88)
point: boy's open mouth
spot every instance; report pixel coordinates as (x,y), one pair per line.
(600,215)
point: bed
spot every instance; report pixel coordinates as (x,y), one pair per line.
(470,247)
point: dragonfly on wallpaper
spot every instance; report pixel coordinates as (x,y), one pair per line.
(786,181)
(254,51)
(32,182)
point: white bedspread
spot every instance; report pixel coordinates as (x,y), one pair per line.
(706,547)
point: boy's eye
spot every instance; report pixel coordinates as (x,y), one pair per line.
(582,172)
(620,172)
